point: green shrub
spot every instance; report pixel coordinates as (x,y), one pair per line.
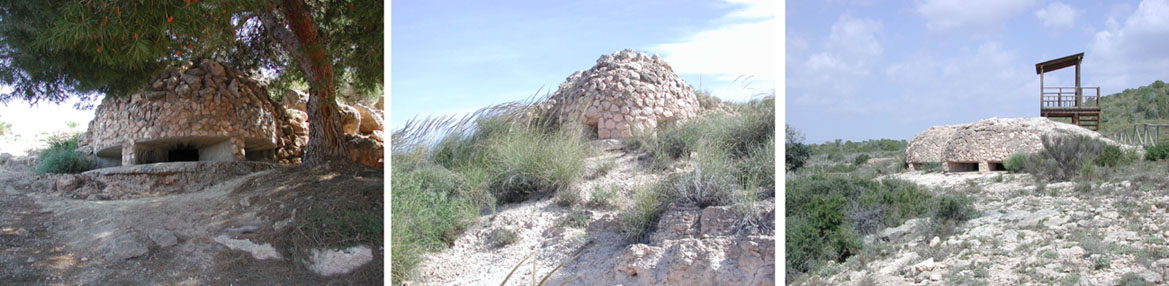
(577,219)
(61,157)
(955,207)
(860,159)
(1132,279)
(602,197)
(796,152)
(1016,162)
(930,167)
(827,215)
(1157,152)
(501,237)
(567,197)
(1112,156)
(1063,157)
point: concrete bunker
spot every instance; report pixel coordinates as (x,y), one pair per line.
(205,112)
(959,167)
(983,146)
(187,149)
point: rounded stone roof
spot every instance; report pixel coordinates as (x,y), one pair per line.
(192,104)
(623,92)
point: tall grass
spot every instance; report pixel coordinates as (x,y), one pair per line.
(447,170)
(733,157)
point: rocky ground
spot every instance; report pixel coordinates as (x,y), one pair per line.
(691,246)
(240,230)
(1026,233)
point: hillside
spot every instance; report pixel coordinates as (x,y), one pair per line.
(1146,104)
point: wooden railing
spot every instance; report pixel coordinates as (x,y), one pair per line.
(1142,134)
(1065,97)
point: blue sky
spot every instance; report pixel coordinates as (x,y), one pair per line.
(454,57)
(859,70)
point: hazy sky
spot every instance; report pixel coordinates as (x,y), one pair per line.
(29,122)
(454,57)
(890,69)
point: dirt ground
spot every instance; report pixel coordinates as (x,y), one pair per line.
(48,239)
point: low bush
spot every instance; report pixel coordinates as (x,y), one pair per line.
(1063,157)
(1016,162)
(860,159)
(930,167)
(578,219)
(1157,152)
(567,197)
(602,197)
(501,237)
(62,158)
(827,215)
(1112,156)
(796,153)
(1132,279)
(955,207)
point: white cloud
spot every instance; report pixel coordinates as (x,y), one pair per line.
(1058,15)
(976,16)
(829,77)
(744,47)
(970,85)
(1133,53)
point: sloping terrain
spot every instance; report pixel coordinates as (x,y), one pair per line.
(690,245)
(213,236)
(1026,233)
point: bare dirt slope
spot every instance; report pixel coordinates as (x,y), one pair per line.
(49,239)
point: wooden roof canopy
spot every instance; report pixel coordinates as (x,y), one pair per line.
(1059,63)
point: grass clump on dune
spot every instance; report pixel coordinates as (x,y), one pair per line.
(447,171)
(733,157)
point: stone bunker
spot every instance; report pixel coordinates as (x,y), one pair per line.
(204,112)
(983,146)
(625,91)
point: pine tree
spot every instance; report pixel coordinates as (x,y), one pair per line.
(55,50)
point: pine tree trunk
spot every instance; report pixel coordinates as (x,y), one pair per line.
(326,140)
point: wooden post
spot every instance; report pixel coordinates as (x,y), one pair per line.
(1078,94)
(1041,91)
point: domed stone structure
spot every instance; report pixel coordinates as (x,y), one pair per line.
(983,145)
(204,112)
(623,92)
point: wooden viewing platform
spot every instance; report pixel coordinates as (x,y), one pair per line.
(1068,102)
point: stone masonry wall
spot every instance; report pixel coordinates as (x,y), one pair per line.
(623,92)
(204,100)
(988,141)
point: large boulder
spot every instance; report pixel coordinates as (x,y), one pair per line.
(370,120)
(350,119)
